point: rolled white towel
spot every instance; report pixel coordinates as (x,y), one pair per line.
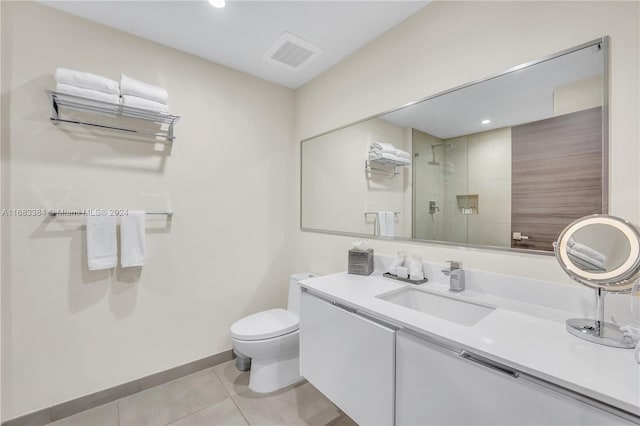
(136,102)
(86,80)
(130,86)
(87,93)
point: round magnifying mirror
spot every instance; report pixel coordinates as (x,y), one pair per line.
(602,252)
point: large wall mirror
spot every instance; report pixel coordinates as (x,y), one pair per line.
(507,162)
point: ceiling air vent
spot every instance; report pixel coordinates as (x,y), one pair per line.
(291,51)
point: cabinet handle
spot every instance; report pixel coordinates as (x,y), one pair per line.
(489,364)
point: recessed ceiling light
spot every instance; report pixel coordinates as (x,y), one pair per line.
(217,3)
(486,121)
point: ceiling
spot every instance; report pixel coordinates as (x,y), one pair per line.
(239,34)
(522,96)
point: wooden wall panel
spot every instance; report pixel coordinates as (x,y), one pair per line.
(556,174)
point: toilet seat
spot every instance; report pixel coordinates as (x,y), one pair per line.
(265,325)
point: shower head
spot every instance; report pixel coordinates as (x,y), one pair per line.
(433,155)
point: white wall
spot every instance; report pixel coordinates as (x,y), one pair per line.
(489,165)
(337,189)
(68,332)
(429,53)
(577,96)
(1,221)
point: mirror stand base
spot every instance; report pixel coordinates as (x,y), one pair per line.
(608,335)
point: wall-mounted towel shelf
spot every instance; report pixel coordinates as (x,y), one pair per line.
(391,170)
(84,212)
(372,169)
(113,110)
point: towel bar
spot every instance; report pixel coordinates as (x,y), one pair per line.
(84,212)
(366,213)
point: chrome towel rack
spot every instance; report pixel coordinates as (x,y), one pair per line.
(376,213)
(59,99)
(84,212)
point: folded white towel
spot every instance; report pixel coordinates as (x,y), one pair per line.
(132,239)
(86,80)
(87,93)
(137,102)
(102,250)
(587,251)
(389,159)
(584,261)
(395,152)
(130,86)
(383,146)
(382,156)
(402,154)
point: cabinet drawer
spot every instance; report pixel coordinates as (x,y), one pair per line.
(350,359)
(436,386)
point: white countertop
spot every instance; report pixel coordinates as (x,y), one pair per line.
(528,337)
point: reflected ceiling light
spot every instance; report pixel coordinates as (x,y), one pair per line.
(217,3)
(486,121)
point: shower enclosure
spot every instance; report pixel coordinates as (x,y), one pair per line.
(439,178)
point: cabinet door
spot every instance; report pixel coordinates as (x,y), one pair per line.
(435,386)
(349,359)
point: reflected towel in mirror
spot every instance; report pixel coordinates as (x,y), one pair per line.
(586,254)
(385,223)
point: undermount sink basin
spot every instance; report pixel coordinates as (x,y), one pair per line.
(448,308)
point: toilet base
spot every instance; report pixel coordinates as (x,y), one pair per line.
(269,375)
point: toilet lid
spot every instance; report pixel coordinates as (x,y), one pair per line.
(264,325)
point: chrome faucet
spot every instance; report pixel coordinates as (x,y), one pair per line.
(455,274)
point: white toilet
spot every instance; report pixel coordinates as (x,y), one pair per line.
(271,339)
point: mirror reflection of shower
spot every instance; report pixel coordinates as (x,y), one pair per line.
(439,175)
(449,166)
(433,161)
(433,208)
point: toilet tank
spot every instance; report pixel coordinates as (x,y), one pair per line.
(293,305)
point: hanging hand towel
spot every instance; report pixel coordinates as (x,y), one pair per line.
(102,248)
(132,239)
(87,80)
(385,223)
(130,86)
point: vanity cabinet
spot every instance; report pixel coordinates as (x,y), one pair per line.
(436,385)
(349,358)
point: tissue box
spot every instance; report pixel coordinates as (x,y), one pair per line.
(360,262)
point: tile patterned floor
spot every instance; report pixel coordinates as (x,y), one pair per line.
(215,396)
